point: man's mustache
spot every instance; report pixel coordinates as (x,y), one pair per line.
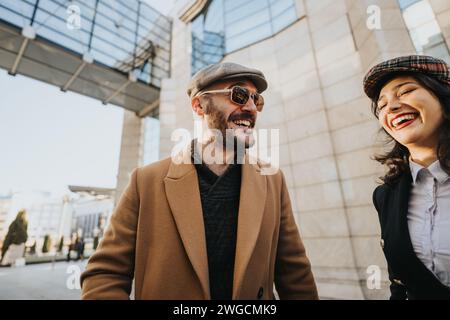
(242,116)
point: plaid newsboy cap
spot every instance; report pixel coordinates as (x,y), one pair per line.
(225,71)
(430,66)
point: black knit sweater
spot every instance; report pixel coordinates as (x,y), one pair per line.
(220,204)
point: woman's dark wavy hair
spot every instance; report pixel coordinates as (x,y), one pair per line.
(397,159)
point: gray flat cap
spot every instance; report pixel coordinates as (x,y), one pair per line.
(225,71)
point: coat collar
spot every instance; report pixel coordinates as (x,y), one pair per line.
(183,195)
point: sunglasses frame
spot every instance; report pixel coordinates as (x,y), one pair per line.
(230,91)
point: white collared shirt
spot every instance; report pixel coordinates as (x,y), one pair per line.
(429,218)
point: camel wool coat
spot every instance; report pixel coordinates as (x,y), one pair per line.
(156,236)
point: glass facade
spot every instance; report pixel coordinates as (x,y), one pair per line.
(228,25)
(423,28)
(88,223)
(44,218)
(151,140)
(123,35)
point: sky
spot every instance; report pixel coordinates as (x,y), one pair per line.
(50,139)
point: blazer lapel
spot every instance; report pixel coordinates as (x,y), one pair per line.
(398,225)
(183,195)
(251,209)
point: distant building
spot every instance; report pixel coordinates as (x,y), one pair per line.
(86,212)
(91,211)
(47,215)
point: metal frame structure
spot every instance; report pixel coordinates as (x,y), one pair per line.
(109,67)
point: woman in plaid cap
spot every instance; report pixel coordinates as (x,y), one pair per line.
(411,99)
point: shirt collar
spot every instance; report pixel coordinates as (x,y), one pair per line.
(435,170)
(415,168)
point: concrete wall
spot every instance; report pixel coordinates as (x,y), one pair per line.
(130,150)
(441,10)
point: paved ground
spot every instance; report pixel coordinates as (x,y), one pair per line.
(42,281)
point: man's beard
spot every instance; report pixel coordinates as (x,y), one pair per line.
(217,120)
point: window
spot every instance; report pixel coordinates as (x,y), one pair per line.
(208,36)
(151,140)
(423,28)
(228,25)
(125,35)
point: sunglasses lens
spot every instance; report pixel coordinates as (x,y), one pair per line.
(240,95)
(259,101)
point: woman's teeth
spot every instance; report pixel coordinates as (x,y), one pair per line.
(401,119)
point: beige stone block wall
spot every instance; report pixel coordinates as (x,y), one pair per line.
(130,150)
(175,110)
(441,10)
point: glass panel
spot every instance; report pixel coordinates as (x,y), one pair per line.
(208,36)
(214,17)
(245,10)
(151,140)
(284,19)
(119,34)
(279,7)
(406,3)
(244,25)
(233,4)
(423,28)
(247,38)
(235,24)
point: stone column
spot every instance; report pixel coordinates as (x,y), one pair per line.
(130,151)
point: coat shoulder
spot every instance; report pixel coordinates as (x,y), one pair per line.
(156,170)
(379,196)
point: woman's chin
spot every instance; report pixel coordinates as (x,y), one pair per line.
(409,138)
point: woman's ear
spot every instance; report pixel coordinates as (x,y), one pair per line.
(197,107)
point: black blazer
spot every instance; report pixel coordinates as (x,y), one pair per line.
(409,277)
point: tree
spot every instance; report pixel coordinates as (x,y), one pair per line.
(61,244)
(46,245)
(17,231)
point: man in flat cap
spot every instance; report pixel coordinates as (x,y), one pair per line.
(206,229)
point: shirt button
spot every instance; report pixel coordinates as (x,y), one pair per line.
(382,243)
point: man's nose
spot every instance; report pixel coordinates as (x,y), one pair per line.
(250,106)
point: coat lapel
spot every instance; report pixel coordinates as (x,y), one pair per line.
(397,233)
(251,209)
(183,195)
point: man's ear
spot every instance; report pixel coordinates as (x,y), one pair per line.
(197,107)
